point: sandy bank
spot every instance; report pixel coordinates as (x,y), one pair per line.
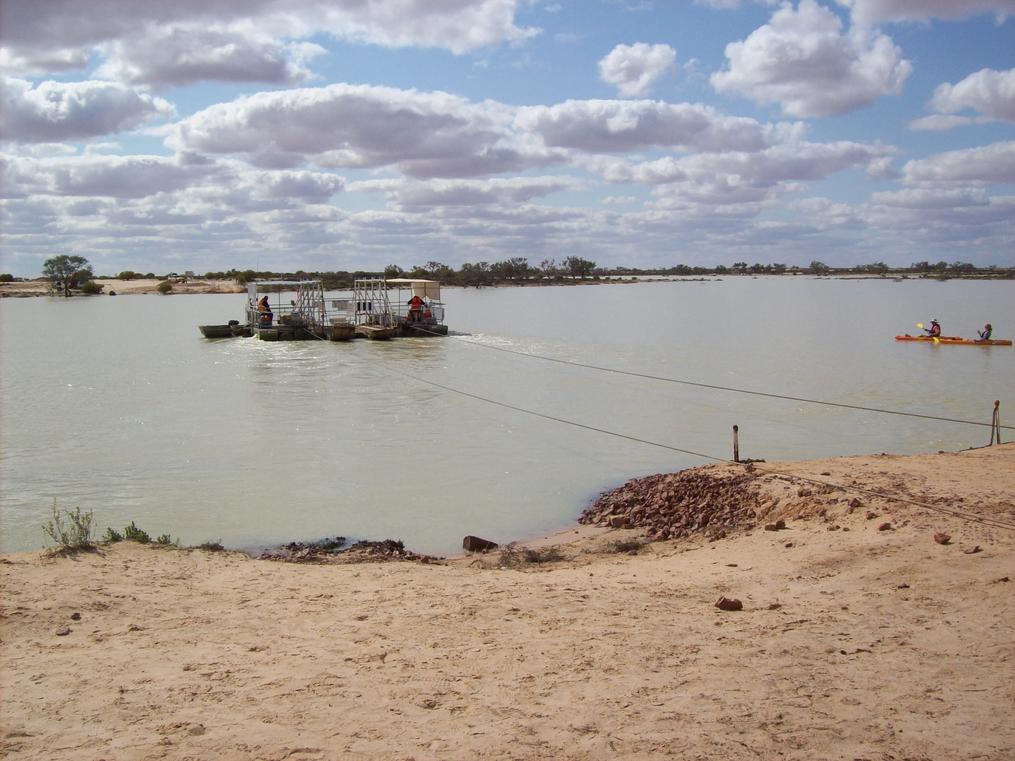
(858,643)
(126,287)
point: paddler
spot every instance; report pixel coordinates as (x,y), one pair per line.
(984,335)
(934,330)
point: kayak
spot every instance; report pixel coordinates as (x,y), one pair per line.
(955,340)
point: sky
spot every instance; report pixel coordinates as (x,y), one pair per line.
(282,135)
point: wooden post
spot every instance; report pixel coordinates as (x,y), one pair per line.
(736,443)
(995,423)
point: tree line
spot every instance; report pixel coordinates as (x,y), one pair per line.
(68,274)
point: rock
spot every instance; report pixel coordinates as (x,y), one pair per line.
(729,603)
(902,586)
(75,616)
(885,527)
(942,538)
(63,631)
(973,550)
(779,525)
(618,521)
(871,515)
(475,544)
(826,473)
(196,729)
(774,606)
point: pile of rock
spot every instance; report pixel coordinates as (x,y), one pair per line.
(335,551)
(710,501)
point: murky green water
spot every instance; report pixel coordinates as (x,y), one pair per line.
(119,406)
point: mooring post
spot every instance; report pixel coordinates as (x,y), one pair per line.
(995,423)
(736,443)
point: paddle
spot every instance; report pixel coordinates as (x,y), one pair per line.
(919,325)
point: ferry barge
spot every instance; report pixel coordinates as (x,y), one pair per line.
(299,310)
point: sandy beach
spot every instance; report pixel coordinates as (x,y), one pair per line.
(862,636)
(140,286)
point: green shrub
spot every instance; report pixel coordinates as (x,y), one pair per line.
(70,529)
(112,536)
(132,533)
(91,288)
(165,539)
(164,287)
(215,546)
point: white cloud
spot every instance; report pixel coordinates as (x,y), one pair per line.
(213,38)
(871,12)
(52,111)
(608,126)
(181,55)
(738,176)
(994,163)
(472,193)
(634,69)
(932,198)
(942,122)
(802,60)
(989,92)
(98,175)
(419,134)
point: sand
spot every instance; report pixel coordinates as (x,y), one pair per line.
(854,642)
(126,287)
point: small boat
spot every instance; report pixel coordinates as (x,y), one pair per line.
(216,331)
(955,340)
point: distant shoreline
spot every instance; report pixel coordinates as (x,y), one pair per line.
(149,286)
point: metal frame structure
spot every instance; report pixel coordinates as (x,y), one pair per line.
(370,303)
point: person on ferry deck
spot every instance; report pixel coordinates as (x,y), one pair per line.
(415,307)
(264,310)
(984,335)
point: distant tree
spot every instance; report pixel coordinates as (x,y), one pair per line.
(128,275)
(920,266)
(578,267)
(819,268)
(963,267)
(63,270)
(6,277)
(721,269)
(740,266)
(393,270)
(438,270)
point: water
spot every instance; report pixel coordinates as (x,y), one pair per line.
(117,405)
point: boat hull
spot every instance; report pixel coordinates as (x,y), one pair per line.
(216,331)
(955,340)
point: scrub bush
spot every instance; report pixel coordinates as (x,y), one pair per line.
(71,530)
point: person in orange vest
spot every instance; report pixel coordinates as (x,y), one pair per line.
(415,307)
